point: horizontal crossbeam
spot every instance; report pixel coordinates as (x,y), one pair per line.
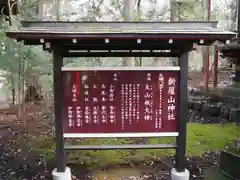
(121,54)
(123,146)
(124,47)
(117,44)
(120,135)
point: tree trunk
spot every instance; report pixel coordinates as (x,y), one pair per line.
(19,87)
(13,88)
(33,87)
(204,48)
(128,16)
(158,61)
(42,9)
(2,21)
(173,10)
(60,9)
(23,82)
(205,8)
(139,9)
(138,60)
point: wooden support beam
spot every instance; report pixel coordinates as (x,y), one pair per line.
(123,47)
(121,54)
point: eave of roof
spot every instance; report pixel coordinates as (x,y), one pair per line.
(160,30)
(112,36)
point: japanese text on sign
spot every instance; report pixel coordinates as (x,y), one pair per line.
(121,101)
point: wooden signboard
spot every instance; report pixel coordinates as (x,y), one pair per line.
(100,102)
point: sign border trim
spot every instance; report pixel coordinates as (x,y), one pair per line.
(119,135)
(160,68)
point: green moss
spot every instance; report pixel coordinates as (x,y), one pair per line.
(200,138)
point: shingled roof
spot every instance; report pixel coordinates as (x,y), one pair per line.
(109,36)
(93,29)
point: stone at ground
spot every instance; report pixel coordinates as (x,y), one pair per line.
(62,175)
(180,175)
(213,108)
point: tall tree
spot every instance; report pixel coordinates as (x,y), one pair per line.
(158,15)
(128,16)
(173,10)
(41,10)
(60,5)
(233,7)
(2,20)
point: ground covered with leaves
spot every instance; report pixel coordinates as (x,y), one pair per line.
(28,152)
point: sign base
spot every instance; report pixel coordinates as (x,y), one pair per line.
(62,175)
(180,175)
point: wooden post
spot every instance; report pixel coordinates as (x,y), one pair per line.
(58,105)
(215,68)
(182,125)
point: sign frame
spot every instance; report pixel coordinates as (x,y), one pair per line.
(179,146)
(122,134)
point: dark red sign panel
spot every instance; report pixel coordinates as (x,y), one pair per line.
(115,101)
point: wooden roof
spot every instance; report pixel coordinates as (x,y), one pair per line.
(89,29)
(120,27)
(119,35)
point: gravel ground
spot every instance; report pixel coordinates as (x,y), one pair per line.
(16,165)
